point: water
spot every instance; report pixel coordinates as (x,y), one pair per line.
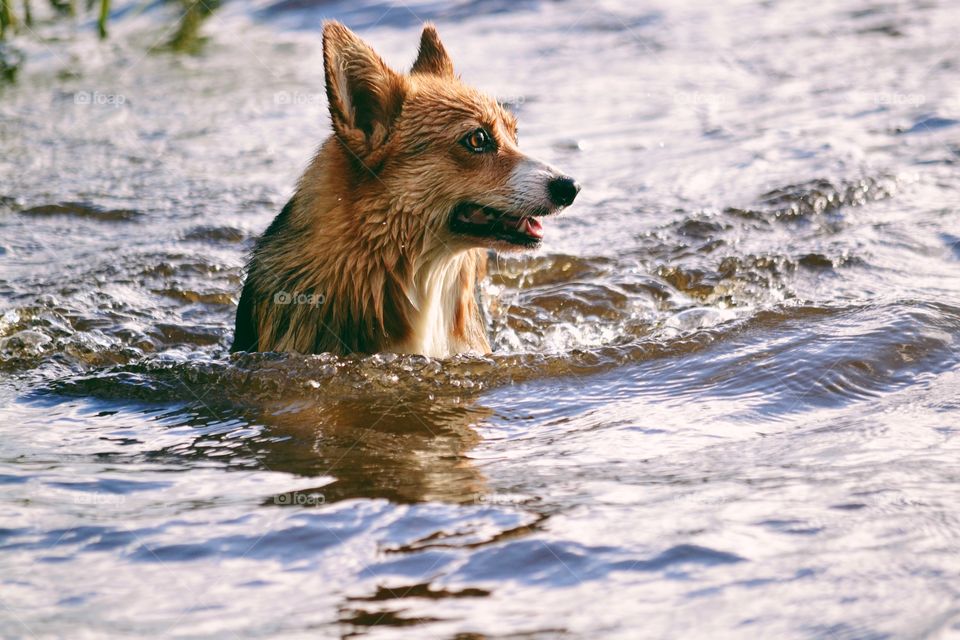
(724,398)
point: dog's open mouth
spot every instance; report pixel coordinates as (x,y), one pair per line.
(489,223)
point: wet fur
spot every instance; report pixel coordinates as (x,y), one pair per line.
(367,227)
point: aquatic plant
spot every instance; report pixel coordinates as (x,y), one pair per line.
(186,38)
(10,21)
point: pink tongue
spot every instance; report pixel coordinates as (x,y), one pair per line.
(532,227)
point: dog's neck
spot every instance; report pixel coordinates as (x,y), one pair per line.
(436,297)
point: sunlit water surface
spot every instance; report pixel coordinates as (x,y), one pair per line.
(724,401)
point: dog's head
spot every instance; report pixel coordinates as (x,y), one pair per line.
(443,154)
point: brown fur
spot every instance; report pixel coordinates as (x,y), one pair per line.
(367,227)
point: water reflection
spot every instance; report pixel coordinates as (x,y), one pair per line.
(411,449)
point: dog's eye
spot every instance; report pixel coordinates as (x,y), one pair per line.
(478,141)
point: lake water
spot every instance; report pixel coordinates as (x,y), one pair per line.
(724,398)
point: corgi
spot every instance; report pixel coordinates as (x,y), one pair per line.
(385,239)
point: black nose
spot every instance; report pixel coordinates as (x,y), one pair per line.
(563,190)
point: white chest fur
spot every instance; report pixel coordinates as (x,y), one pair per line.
(435,296)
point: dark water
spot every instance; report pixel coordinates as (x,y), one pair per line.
(725,397)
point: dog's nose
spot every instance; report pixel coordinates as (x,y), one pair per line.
(563,190)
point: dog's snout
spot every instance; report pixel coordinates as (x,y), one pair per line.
(563,190)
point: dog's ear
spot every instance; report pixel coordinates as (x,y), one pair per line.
(432,57)
(364,94)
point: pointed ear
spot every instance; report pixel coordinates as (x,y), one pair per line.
(364,94)
(432,57)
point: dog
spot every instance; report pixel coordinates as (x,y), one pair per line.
(385,239)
